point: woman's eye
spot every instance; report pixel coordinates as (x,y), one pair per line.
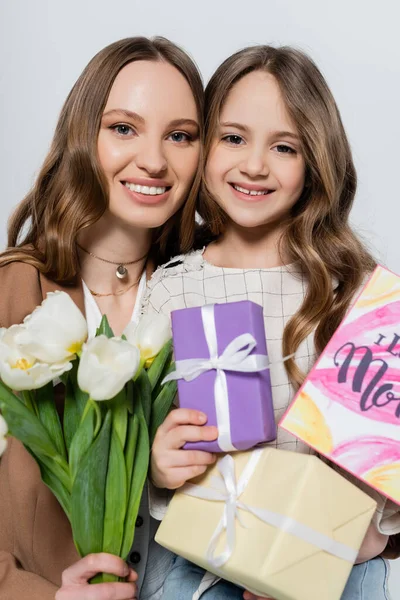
(283,149)
(122,129)
(235,140)
(180,136)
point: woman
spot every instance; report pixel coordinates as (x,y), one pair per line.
(108,206)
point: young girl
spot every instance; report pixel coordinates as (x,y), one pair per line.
(278,187)
(119,183)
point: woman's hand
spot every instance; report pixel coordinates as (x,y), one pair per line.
(171,466)
(75,579)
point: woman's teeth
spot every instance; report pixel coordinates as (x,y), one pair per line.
(145,189)
(250,192)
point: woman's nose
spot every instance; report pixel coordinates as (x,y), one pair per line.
(152,159)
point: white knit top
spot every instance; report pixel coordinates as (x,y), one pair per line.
(189,281)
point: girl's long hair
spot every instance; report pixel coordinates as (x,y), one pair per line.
(71,192)
(318,234)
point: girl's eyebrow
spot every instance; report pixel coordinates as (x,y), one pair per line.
(290,134)
(274,134)
(234,125)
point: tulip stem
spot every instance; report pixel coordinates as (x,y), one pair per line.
(140,367)
(29,399)
(97,411)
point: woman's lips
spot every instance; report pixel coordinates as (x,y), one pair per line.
(147,194)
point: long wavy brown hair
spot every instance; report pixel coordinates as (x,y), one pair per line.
(318,234)
(71,191)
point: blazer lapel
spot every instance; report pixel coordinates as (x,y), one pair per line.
(75,291)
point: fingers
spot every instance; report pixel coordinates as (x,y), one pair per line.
(133,576)
(190,458)
(178,436)
(170,465)
(182,416)
(181,475)
(98,591)
(87,567)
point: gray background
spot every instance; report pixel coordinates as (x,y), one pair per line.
(44,45)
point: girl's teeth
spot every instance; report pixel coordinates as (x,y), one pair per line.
(250,192)
(145,189)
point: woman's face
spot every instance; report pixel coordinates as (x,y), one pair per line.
(148,143)
(255,169)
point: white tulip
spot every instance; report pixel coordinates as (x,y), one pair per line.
(3,433)
(106,365)
(150,335)
(56,330)
(19,369)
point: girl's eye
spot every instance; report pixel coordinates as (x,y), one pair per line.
(283,149)
(122,129)
(233,139)
(180,136)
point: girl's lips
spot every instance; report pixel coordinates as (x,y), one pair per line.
(249,197)
(146,199)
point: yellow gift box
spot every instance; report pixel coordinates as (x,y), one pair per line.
(278,523)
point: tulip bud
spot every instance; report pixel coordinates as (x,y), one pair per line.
(150,335)
(56,329)
(19,369)
(106,365)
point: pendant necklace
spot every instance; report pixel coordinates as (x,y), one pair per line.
(121,270)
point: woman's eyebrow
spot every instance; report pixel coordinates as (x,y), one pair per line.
(125,113)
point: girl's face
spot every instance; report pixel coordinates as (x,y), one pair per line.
(148,143)
(255,169)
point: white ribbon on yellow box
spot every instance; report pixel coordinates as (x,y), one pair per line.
(278,523)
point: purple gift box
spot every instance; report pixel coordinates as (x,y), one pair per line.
(248,395)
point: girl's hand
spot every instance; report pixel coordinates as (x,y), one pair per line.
(250,596)
(170,466)
(75,579)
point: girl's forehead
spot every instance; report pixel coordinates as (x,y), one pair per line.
(256,101)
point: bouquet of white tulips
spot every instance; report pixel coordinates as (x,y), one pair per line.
(95,457)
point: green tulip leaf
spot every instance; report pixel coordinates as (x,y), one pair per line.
(114,515)
(88,493)
(142,390)
(82,439)
(155,371)
(75,403)
(130,448)
(138,481)
(104,328)
(161,407)
(54,483)
(24,425)
(119,407)
(49,417)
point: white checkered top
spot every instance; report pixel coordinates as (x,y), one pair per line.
(189,281)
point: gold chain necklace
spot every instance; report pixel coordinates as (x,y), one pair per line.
(118,292)
(121,271)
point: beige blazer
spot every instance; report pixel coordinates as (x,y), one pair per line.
(35,536)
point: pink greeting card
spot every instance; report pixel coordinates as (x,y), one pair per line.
(349,406)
